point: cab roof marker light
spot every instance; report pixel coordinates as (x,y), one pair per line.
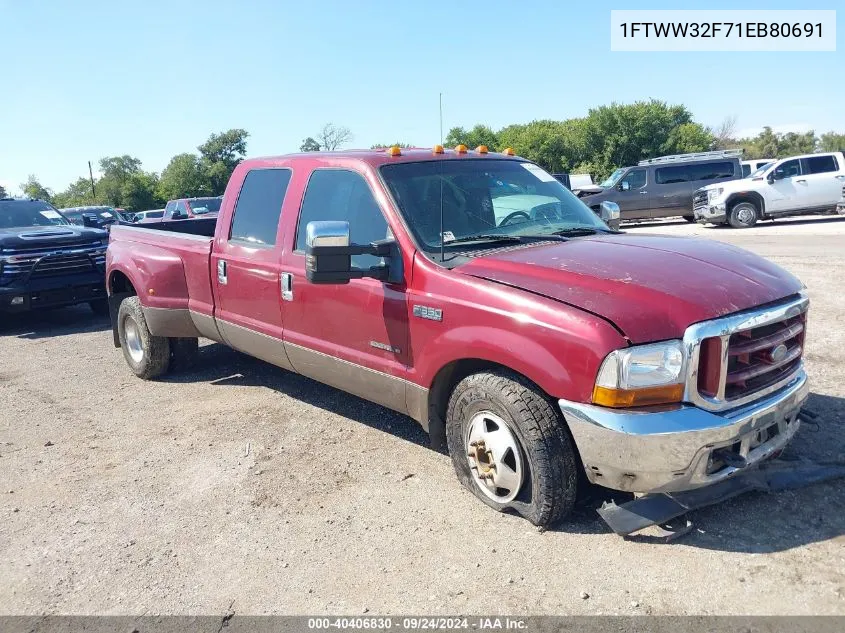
(482,149)
(438,149)
(394,151)
(461,149)
(508,151)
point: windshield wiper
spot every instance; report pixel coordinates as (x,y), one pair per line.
(484,237)
(575,231)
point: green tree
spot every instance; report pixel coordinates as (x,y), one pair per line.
(139,192)
(689,137)
(478,135)
(3,193)
(77,194)
(771,144)
(555,145)
(220,154)
(34,189)
(185,176)
(386,145)
(309,145)
(116,172)
(832,142)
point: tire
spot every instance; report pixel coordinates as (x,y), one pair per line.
(743,215)
(689,218)
(184,353)
(99,307)
(148,356)
(540,458)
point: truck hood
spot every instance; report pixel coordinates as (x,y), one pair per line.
(736,186)
(47,236)
(651,287)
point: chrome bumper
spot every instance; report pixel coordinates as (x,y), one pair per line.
(671,450)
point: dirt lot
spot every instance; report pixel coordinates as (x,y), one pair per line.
(241,486)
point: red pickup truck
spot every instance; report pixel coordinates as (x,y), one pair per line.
(476,294)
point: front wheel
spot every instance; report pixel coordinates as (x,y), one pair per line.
(510,448)
(743,215)
(148,356)
(689,218)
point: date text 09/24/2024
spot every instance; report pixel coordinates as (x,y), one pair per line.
(419,623)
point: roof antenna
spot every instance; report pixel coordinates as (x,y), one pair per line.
(442,254)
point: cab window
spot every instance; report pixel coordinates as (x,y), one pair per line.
(788,169)
(340,194)
(634,179)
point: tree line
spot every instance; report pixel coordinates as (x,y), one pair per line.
(619,135)
(608,137)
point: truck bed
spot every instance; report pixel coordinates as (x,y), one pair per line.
(199,226)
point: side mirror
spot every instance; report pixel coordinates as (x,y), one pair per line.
(609,212)
(770,178)
(624,186)
(90,221)
(328,255)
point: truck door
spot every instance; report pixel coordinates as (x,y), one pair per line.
(245,268)
(353,336)
(824,180)
(789,191)
(632,194)
(672,191)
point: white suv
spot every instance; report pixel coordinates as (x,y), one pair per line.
(790,186)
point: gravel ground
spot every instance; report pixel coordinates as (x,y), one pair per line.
(240,486)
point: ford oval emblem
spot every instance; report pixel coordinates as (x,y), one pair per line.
(778,353)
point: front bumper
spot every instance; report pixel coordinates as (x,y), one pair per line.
(673,449)
(52,292)
(710,213)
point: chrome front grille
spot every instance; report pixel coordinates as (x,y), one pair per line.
(741,358)
(26,263)
(699,200)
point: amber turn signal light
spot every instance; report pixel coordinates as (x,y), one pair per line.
(621,398)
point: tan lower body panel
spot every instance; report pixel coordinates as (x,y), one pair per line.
(389,391)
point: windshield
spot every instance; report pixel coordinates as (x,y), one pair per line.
(613,179)
(205,205)
(758,173)
(483,197)
(23,213)
(152,214)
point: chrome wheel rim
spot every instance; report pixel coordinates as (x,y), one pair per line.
(494,457)
(133,340)
(745,215)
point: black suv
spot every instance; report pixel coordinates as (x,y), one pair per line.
(45,261)
(663,187)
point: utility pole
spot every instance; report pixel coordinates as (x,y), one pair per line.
(441,118)
(93,191)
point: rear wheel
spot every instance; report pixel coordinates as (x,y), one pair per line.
(743,215)
(148,356)
(510,448)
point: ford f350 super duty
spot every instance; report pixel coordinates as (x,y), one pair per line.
(473,292)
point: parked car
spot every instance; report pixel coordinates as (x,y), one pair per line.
(189,209)
(45,261)
(840,206)
(797,185)
(750,166)
(663,187)
(540,352)
(152,214)
(100,217)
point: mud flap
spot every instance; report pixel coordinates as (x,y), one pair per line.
(660,509)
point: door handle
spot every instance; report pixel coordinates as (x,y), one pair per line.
(840,177)
(642,193)
(287,286)
(221,272)
(801,180)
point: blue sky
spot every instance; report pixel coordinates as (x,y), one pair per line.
(87,79)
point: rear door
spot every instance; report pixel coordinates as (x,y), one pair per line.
(672,191)
(245,268)
(353,336)
(824,179)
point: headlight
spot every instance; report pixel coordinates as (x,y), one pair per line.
(712,194)
(641,375)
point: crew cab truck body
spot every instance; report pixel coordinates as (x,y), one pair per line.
(535,346)
(798,185)
(47,262)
